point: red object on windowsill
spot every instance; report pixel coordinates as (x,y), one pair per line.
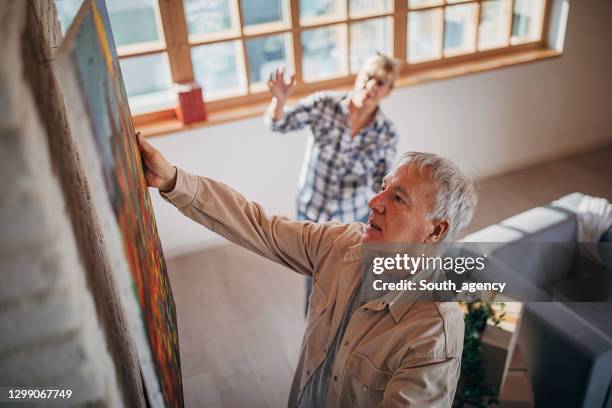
(190,107)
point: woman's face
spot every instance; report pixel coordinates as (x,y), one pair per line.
(372,87)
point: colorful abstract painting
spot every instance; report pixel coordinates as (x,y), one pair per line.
(89,52)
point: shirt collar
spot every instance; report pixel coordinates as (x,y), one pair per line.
(398,302)
(345,101)
(379,117)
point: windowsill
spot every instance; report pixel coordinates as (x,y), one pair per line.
(165,122)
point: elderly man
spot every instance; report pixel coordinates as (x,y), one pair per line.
(356,351)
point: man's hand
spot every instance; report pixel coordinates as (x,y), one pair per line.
(158,171)
(279,88)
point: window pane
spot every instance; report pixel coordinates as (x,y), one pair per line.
(211,17)
(147,82)
(134,21)
(494,24)
(66,11)
(424,35)
(218,69)
(460,29)
(256,12)
(363,7)
(312,11)
(424,3)
(324,53)
(267,54)
(527,21)
(367,38)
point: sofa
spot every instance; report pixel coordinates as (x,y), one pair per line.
(567,344)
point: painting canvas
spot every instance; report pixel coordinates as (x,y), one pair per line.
(89,65)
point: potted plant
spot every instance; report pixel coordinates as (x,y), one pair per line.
(473,389)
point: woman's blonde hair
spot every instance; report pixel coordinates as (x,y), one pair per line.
(382,65)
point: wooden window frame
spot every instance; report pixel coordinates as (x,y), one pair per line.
(178,48)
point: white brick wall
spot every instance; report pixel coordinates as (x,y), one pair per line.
(50,334)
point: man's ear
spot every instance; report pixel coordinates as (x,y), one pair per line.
(438,233)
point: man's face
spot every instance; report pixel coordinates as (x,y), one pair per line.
(400,211)
(371,88)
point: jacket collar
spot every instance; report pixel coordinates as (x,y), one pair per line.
(398,302)
(354,252)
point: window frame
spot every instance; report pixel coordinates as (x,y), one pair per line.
(175,42)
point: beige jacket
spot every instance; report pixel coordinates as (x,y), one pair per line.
(395,353)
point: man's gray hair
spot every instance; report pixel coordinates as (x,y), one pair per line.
(456,195)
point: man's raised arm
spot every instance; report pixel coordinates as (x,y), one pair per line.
(297,245)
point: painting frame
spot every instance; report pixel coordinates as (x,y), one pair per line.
(100,118)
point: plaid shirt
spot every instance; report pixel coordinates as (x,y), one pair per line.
(340,173)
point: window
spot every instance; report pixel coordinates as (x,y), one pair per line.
(230,47)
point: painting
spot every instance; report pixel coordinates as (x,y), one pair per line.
(90,68)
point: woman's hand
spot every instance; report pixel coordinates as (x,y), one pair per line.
(159,173)
(279,88)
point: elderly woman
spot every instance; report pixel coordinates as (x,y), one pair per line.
(351,147)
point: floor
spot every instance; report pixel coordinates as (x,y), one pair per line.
(240,317)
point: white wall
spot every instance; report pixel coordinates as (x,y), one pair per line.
(489,123)
(51,332)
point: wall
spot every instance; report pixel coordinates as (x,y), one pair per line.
(50,331)
(489,123)
(41,41)
(60,312)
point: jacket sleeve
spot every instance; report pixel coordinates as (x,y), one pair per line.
(297,245)
(303,114)
(423,382)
